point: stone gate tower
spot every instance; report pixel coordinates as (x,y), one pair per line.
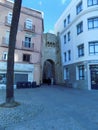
(51,60)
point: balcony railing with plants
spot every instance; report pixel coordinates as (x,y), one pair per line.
(27,45)
(30,28)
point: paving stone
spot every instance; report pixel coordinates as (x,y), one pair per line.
(51,108)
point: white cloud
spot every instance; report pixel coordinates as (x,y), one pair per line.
(63,1)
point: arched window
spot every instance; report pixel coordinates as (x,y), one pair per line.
(29,24)
(9,18)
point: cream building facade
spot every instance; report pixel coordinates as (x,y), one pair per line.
(78,29)
(28,43)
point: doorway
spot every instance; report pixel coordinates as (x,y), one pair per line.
(49,72)
(94,76)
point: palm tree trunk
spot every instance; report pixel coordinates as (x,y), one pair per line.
(12,42)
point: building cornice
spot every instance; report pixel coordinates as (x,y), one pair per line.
(78,17)
(10,6)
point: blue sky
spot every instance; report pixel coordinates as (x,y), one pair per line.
(52,10)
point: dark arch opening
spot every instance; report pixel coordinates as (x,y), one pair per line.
(49,72)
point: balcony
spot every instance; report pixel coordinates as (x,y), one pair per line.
(5,42)
(7,21)
(27,45)
(29,28)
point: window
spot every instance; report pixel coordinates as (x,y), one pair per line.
(9,18)
(7,37)
(68,19)
(68,36)
(27,42)
(81,50)
(92,2)
(26,57)
(81,72)
(29,24)
(65,57)
(93,47)
(69,55)
(79,8)
(64,39)
(2,78)
(5,56)
(66,73)
(93,23)
(80,28)
(64,23)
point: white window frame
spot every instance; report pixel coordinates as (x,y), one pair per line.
(92,2)
(9,18)
(93,23)
(81,50)
(65,57)
(69,36)
(68,19)
(65,39)
(93,48)
(66,73)
(5,55)
(79,8)
(69,55)
(64,23)
(80,28)
(29,24)
(28,41)
(80,71)
(7,37)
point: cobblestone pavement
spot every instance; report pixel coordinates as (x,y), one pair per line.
(51,108)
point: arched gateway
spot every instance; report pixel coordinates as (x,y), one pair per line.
(49,72)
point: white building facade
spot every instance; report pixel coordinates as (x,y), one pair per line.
(78,30)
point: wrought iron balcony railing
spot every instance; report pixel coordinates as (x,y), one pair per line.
(27,45)
(30,28)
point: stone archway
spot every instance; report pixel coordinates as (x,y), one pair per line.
(49,71)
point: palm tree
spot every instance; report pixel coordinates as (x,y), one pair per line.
(10,101)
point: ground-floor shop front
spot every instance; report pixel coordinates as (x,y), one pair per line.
(27,73)
(82,75)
